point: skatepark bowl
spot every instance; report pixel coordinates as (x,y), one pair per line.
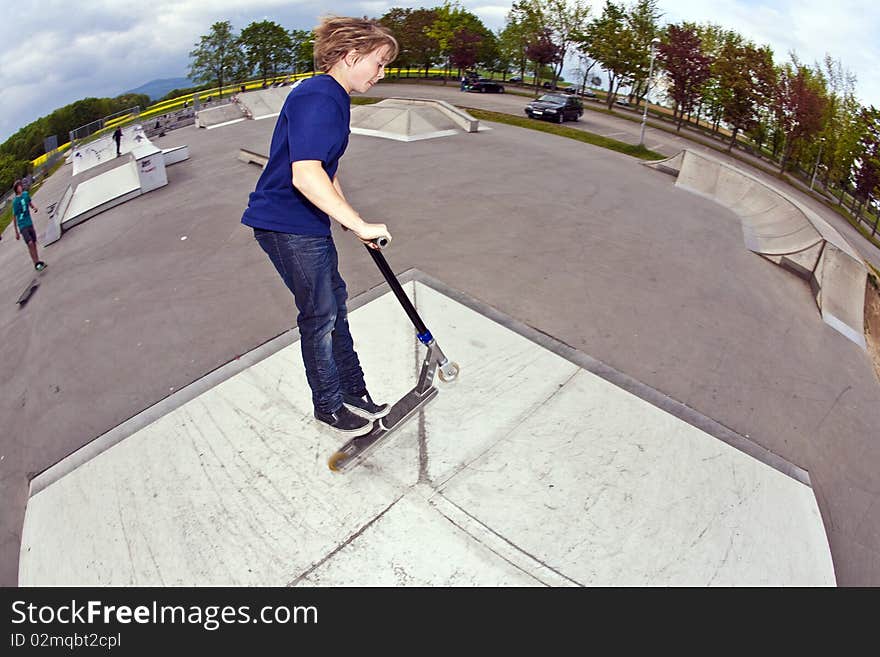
(641,401)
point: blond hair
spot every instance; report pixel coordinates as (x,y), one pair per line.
(337,35)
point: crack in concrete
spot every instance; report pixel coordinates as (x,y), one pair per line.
(345,543)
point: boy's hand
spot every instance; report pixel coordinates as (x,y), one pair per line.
(370,232)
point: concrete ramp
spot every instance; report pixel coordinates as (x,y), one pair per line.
(216,117)
(535,468)
(103,150)
(410,119)
(101,193)
(264,103)
(778,227)
(141,170)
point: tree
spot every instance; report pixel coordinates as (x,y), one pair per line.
(610,41)
(464,49)
(747,74)
(643,20)
(867,174)
(799,105)
(714,39)
(542,51)
(585,65)
(524,24)
(11,169)
(449,19)
(302,53)
(267,48)
(217,58)
(567,19)
(688,68)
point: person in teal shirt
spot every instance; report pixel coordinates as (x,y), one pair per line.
(24,225)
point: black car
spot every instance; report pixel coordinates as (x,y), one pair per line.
(555,107)
(486,86)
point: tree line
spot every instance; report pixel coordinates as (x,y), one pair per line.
(804,116)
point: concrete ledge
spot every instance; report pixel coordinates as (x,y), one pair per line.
(252,157)
(175,154)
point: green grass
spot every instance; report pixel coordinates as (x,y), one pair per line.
(6,217)
(571,133)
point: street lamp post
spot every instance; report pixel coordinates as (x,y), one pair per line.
(816,168)
(654,43)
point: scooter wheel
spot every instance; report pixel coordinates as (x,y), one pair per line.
(334,461)
(452,376)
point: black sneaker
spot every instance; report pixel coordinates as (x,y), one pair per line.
(345,422)
(365,407)
(40,266)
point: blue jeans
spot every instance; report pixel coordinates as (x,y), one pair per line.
(309,267)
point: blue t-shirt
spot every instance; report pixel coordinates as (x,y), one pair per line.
(21,210)
(313,125)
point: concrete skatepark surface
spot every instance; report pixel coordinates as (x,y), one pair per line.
(616,263)
(618,492)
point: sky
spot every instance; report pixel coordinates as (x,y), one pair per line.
(106,47)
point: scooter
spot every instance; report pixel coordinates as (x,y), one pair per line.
(435,362)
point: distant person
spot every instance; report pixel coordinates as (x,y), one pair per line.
(297,195)
(117,137)
(24,225)
(464,82)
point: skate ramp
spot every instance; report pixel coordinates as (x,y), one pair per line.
(103,150)
(264,103)
(216,117)
(141,170)
(530,470)
(101,193)
(779,228)
(410,119)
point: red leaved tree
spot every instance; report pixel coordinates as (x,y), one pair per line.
(464,49)
(799,104)
(687,67)
(542,51)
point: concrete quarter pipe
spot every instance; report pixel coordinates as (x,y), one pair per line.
(779,228)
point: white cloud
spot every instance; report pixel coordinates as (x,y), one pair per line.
(845,29)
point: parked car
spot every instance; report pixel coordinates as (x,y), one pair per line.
(555,107)
(589,93)
(515,80)
(486,86)
(623,102)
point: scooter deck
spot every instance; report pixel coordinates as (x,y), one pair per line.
(356,449)
(28,291)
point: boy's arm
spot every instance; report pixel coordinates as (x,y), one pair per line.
(309,177)
(339,190)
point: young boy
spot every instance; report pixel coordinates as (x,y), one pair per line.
(296,196)
(24,225)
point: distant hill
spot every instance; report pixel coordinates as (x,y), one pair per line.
(156,89)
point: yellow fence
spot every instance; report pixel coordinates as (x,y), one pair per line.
(165,106)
